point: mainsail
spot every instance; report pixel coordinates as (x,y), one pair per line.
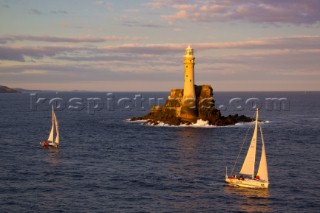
(249,162)
(263,167)
(57,140)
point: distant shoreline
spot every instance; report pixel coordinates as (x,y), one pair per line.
(5,89)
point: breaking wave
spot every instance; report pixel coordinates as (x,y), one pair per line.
(136,121)
(199,124)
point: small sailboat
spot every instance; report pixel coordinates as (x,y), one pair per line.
(54,137)
(246,177)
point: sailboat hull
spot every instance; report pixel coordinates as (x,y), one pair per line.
(48,144)
(44,143)
(247,183)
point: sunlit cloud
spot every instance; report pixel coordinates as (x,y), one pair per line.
(274,59)
(139,43)
(294,42)
(34,72)
(89,53)
(257,11)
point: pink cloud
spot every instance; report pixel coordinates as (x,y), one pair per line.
(257,11)
(158,4)
(18,53)
(283,58)
(294,42)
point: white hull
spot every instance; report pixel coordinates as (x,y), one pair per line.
(248,183)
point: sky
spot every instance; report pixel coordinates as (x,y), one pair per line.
(138,45)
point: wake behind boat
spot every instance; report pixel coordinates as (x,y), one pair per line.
(246,177)
(53,141)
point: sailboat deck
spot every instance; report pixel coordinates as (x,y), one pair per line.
(248,183)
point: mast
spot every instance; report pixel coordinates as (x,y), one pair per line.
(263,167)
(249,162)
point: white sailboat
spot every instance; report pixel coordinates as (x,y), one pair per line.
(54,136)
(260,180)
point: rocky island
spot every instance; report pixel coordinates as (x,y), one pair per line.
(190,104)
(175,112)
(4,89)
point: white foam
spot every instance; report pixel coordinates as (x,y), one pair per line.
(136,121)
(160,124)
(250,123)
(199,124)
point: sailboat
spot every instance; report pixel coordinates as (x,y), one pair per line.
(247,177)
(54,137)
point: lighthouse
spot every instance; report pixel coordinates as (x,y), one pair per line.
(188,90)
(188,111)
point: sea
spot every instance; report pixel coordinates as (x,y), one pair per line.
(105,163)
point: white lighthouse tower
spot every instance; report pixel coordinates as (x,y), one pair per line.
(188,111)
(188,92)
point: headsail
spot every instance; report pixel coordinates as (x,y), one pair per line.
(52,127)
(263,167)
(249,162)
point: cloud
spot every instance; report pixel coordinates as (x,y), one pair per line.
(34,72)
(36,12)
(87,73)
(271,59)
(273,65)
(132,20)
(159,4)
(54,12)
(115,58)
(154,49)
(294,42)
(59,12)
(56,39)
(132,23)
(105,4)
(5,5)
(256,11)
(255,61)
(18,53)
